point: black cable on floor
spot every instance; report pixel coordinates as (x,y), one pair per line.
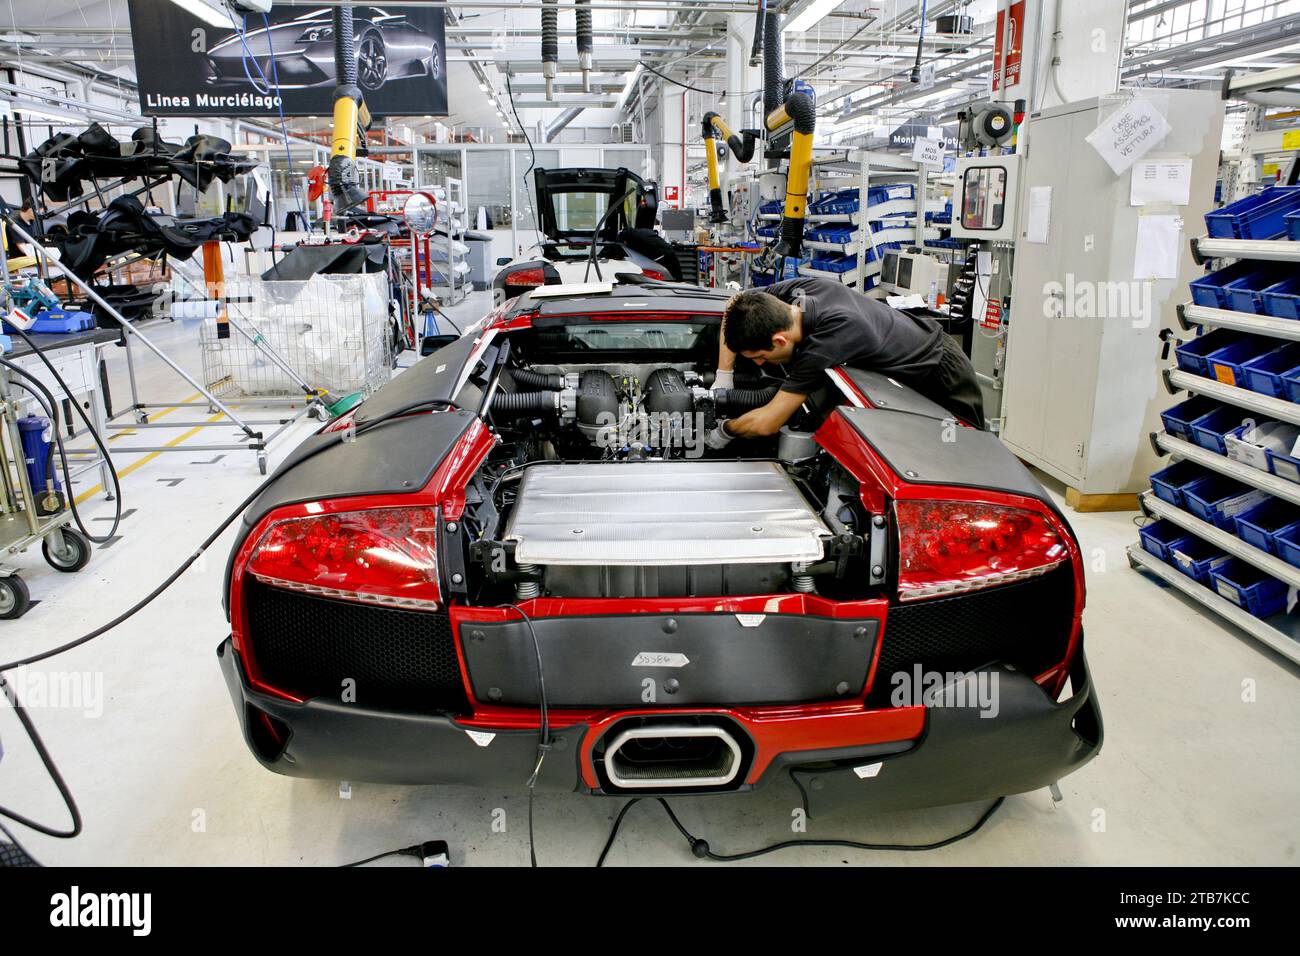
(50,767)
(543,730)
(700,848)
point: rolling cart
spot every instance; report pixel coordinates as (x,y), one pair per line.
(22,523)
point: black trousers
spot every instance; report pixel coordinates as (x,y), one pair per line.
(954,385)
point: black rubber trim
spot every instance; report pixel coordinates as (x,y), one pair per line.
(787,658)
(337,741)
(962,756)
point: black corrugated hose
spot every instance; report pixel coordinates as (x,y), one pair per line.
(773,64)
(551,32)
(345,60)
(583,13)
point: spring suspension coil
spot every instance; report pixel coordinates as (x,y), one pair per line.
(526,589)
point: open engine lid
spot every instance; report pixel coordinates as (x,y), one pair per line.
(662,513)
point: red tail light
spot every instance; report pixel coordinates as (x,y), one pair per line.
(653,274)
(947,547)
(527,277)
(380,556)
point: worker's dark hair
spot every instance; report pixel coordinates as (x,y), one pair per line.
(752,318)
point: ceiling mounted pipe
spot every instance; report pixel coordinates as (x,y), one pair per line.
(563,120)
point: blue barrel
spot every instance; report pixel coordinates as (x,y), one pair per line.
(36,434)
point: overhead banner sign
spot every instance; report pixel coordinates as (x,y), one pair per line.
(254,68)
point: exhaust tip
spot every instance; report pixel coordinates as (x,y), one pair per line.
(669,756)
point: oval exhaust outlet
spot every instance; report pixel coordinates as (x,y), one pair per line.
(661,756)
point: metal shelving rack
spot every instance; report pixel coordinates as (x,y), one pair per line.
(1282,631)
(454,271)
(868,168)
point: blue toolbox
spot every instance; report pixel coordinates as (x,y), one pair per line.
(52,321)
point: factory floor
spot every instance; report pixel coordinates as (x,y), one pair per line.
(1201,763)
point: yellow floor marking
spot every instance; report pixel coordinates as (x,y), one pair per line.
(122,473)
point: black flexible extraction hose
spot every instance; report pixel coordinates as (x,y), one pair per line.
(920,44)
(756,50)
(773,64)
(345,60)
(550,44)
(528,378)
(583,14)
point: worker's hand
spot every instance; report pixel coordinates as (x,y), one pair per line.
(718,438)
(724,378)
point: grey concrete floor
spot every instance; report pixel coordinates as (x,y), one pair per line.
(1194,770)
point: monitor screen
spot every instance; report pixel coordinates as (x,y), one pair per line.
(905,273)
(889,268)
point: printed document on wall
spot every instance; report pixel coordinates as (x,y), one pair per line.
(1040,214)
(1161,180)
(1159,240)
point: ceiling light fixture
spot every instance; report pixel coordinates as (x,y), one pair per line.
(810,16)
(205,12)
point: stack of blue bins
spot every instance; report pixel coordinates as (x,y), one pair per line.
(1261,216)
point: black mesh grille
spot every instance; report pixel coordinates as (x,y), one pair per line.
(400,660)
(1025,624)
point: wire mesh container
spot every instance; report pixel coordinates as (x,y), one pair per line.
(331,330)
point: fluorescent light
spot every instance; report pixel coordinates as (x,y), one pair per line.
(208,14)
(483,87)
(810,16)
(70,118)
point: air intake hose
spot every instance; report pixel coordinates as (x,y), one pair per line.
(526,403)
(550,45)
(735,399)
(583,13)
(527,378)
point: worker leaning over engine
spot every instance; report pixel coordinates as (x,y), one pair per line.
(809,325)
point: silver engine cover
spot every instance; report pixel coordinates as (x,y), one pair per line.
(663,513)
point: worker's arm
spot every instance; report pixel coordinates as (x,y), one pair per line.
(725,377)
(766,420)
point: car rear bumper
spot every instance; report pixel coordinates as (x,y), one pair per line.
(958,756)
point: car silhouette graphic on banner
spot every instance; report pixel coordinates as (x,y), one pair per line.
(286,60)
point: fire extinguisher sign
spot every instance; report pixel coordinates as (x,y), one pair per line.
(1007,46)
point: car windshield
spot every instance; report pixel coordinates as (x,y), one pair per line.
(579,211)
(626,336)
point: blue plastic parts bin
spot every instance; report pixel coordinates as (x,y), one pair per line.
(1208,430)
(1197,558)
(1292,220)
(1282,300)
(1178,419)
(59,322)
(1208,498)
(1288,545)
(1160,536)
(1258,526)
(1224,365)
(1248,587)
(1244,293)
(1283,465)
(1264,373)
(1191,355)
(1168,483)
(1262,216)
(1209,289)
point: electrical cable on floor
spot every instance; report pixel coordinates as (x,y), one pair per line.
(700,848)
(543,729)
(99,442)
(428,850)
(50,767)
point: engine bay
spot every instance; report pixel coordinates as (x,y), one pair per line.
(601,485)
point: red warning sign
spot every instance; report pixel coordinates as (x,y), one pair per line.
(1007,46)
(992,315)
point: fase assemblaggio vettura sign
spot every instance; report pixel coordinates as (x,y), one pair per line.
(188,67)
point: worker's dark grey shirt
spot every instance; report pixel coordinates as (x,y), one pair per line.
(844,327)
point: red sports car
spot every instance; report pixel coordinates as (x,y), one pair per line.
(523,539)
